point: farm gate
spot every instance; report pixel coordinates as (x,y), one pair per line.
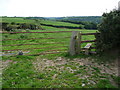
(53,48)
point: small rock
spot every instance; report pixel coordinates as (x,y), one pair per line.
(68,67)
(92,82)
(59,58)
(44,59)
(54,76)
(83,85)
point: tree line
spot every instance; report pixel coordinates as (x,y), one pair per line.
(85,25)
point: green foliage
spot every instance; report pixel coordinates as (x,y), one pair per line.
(94,19)
(13,23)
(8,28)
(90,25)
(28,26)
(116,79)
(109,29)
(83,24)
(40,18)
(4,25)
(104,84)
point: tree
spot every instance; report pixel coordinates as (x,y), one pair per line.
(12,23)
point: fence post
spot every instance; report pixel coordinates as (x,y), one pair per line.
(78,43)
(73,48)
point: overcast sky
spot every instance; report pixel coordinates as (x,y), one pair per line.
(56,8)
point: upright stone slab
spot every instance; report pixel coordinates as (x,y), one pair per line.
(72,50)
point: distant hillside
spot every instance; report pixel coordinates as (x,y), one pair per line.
(94,19)
(40,18)
(58,22)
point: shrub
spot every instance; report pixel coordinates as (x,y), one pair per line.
(8,28)
(27,26)
(4,25)
(109,37)
(12,23)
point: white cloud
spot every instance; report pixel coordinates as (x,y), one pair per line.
(50,8)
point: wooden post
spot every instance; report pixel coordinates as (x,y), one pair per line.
(72,50)
(78,43)
(80,38)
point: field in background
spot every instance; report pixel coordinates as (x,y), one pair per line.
(22,20)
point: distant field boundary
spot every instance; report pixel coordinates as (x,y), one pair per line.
(56,26)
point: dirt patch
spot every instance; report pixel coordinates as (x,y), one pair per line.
(42,64)
(84,68)
(109,68)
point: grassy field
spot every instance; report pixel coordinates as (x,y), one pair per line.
(54,70)
(16,20)
(22,20)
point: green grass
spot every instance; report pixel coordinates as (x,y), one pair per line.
(19,74)
(25,74)
(104,84)
(16,20)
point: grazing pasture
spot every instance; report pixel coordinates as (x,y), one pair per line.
(57,70)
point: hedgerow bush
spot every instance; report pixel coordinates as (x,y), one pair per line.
(12,26)
(109,37)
